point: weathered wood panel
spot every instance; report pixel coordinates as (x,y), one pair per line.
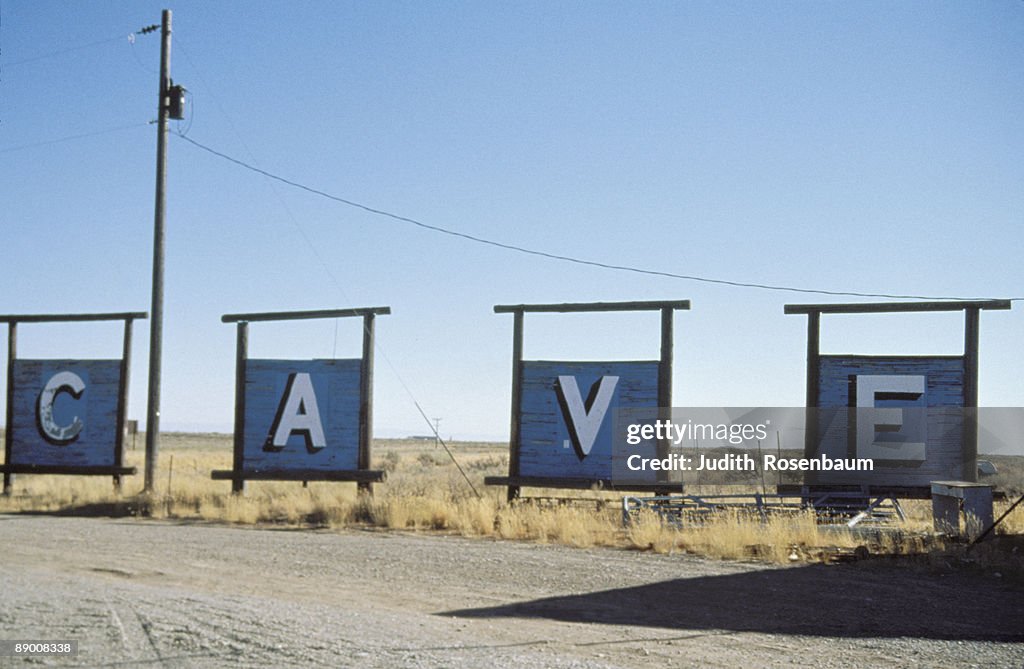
(71,318)
(932,417)
(579,307)
(75,470)
(895,307)
(335,386)
(549,445)
(77,426)
(304,315)
(576,484)
(358,476)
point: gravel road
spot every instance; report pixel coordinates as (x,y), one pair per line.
(143,593)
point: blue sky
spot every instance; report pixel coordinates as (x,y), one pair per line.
(870,147)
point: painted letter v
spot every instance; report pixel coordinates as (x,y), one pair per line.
(583,419)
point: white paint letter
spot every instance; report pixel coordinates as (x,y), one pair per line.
(871,420)
(60,435)
(297,413)
(584,418)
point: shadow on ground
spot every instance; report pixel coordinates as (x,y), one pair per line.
(122,509)
(855,601)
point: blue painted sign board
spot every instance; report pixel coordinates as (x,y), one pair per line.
(903,412)
(567,412)
(65,412)
(301,415)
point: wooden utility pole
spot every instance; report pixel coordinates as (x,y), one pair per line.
(156,323)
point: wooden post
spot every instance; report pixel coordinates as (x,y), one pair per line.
(122,401)
(241,355)
(156,323)
(12,352)
(366,401)
(517,396)
(813,381)
(970,417)
(665,385)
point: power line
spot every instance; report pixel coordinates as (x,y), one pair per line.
(130,38)
(561,257)
(19,147)
(70,49)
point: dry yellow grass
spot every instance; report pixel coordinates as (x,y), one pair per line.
(425,492)
(734,534)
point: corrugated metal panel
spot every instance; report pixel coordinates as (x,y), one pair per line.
(941,430)
(335,385)
(546,445)
(95,407)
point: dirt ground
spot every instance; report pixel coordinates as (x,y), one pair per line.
(143,593)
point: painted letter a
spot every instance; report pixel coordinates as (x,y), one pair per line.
(297,413)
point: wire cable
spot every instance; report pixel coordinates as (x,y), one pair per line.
(566,258)
(145,68)
(19,147)
(433,428)
(60,52)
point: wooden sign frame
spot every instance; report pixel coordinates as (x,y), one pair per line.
(118,469)
(362,475)
(971,309)
(514,481)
